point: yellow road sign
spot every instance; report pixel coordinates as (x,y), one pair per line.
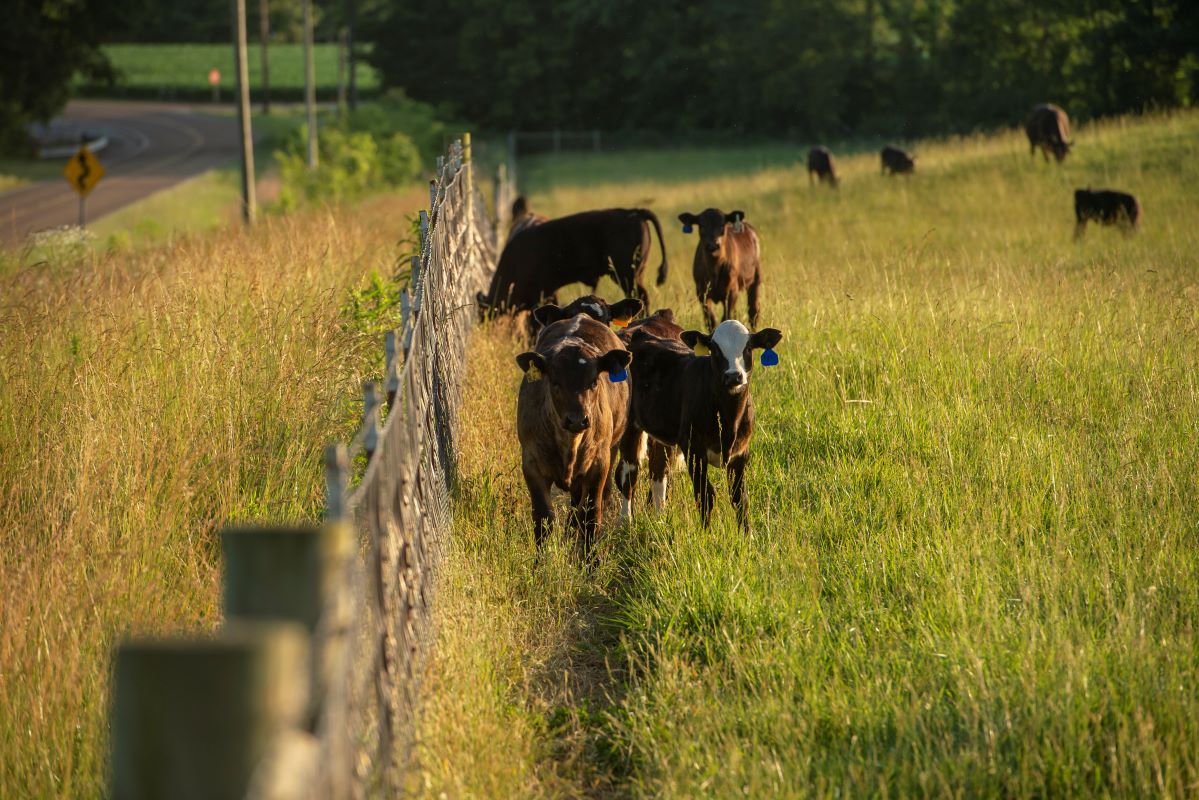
(83,171)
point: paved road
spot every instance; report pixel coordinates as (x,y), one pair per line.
(152,146)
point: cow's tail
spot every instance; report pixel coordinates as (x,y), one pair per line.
(646,214)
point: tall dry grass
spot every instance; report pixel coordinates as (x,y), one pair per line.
(145,401)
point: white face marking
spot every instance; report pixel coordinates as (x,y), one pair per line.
(732,337)
(573,328)
(597,312)
(658,493)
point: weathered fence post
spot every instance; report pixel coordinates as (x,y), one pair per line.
(370,418)
(197,718)
(336,464)
(391,372)
(406,323)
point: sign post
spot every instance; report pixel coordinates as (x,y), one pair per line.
(83,172)
(214,80)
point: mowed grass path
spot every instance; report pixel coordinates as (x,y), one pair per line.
(146,400)
(973,568)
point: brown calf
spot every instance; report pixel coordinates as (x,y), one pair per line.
(728,258)
(700,404)
(1048,127)
(822,166)
(570,416)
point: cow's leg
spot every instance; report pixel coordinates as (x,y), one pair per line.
(543,507)
(754,299)
(705,495)
(594,507)
(737,493)
(632,446)
(709,312)
(659,466)
(1045,153)
(1080,228)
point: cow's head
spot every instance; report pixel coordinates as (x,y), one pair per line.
(594,307)
(731,346)
(712,226)
(520,206)
(573,377)
(1061,149)
(484,306)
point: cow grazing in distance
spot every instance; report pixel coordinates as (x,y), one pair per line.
(821,166)
(699,403)
(580,248)
(1105,207)
(522,217)
(897,160)
(570,417)
(728,259)
(618,313)
(1048,127)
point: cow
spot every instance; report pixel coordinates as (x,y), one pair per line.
(897,160)
(698,403)
(570,415)
(728,259)
(1048,127)
(580,248)
(522,217)
(822,166)
(1105,207)
(618,313)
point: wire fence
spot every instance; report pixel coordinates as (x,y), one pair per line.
(311,687)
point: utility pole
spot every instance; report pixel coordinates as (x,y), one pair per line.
(248,201)
(351,18)
(310,84)
(264,38)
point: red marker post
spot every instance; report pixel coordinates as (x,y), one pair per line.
(214,80)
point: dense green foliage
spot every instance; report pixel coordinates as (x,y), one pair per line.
(806,67)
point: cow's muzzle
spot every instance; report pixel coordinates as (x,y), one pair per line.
(576,423)
(733,380)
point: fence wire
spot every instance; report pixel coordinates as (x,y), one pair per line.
(401,507)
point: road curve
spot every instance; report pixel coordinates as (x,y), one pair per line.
(152,147)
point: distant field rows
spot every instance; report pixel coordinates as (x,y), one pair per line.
(185,67)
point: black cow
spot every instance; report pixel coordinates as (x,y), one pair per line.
(1105,207)
(1048,127)
(580,248)
(594,306)
(898,161)
(822,166)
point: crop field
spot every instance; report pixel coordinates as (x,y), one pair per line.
(152,69)
(147,399)
(974,491)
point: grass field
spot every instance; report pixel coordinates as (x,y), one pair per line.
(973,565)
(147,69)
(146,399)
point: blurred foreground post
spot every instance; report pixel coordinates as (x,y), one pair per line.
(248,202)
(309,85)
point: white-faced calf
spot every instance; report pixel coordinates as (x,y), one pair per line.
(699,403)
(728,260)
(570,415)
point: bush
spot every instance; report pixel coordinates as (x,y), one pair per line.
(350,164)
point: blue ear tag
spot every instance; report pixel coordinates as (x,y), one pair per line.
(687,228)
(770,358)
(618,377)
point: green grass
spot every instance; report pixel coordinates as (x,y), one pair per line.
(148,398)
(18,172)
(147,69)
(972,570)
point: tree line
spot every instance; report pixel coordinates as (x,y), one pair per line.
(787,67)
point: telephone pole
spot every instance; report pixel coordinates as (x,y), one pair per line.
(248,201)
(310,85)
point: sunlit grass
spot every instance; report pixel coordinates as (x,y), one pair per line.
(146,400)
(973,567)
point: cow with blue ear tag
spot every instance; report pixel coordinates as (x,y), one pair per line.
(698,403)
(571,413)
(728,261)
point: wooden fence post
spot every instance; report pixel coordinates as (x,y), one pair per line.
(336,463)
(370,418)
(390,352)
(197,718)
(405,323)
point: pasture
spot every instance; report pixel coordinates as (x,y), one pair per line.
(972,568)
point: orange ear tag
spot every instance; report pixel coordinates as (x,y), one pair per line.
(619,323)
(533,374)
(701,349)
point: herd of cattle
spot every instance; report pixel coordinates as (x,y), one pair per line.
(592,400)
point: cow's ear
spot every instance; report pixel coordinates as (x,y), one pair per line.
(701,343)
(734,216)
(687,218)
(614,361)
(532,364)
(547,314)
(766,338)
(625,310)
